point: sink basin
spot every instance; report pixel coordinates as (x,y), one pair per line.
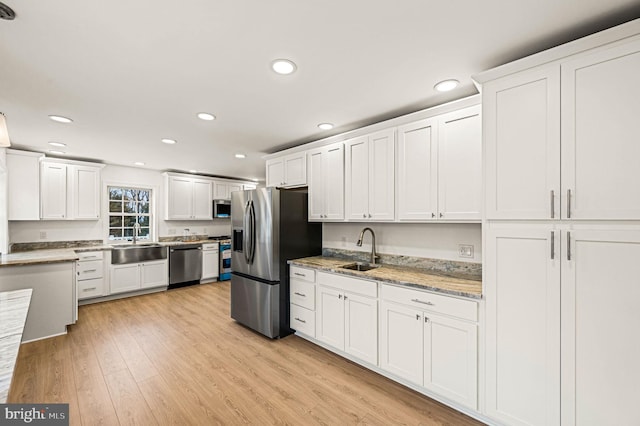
(129,253)
(360,266)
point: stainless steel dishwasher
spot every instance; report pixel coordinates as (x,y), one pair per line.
(185,265)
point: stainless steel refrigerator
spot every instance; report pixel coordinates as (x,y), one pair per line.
(269,227)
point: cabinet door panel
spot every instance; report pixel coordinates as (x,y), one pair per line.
(522,144)
(460,165)
(334,182)
(356,179)
(275,172)
(330,317)
(600,322)
(382,175)
(361,327)
(154,274)
(600,148)
(124,278)
(401,334)
(295,169)
(451,359)
(86,192)
(210,263)
(23,185)
(180,198)
(316,185)
(53,191)
(417,171)
(202,199)
(522,293)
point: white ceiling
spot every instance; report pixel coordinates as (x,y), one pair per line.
(132,72)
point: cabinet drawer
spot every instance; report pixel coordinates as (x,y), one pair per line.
(90,255)
(353,285)
(89,270)
(303,294)
(303,320)
(302,274)
(465,309)
(90,288)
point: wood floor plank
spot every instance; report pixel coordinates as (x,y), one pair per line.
(177,358)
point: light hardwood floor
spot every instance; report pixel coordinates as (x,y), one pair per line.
(178,358)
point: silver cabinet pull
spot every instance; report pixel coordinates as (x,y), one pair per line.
(441,215)
(300,294)
(298,319)
(88,289)
(299,274)
(426,319)
(345,297)
(418,317)
(568,204)
(88,270)
(553,245)
(568,245)
(423,302)
(433,215)
(339,296)
(553,210)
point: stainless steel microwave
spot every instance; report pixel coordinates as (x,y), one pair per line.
(221,208)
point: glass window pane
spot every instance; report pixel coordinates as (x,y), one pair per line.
(130,207)
(144,233)
(128,221)
(143,207)
(128,232)
(144,196)
(130,194)
(115,207)
(115,232)
(115,193)
(115,221)
(143,220)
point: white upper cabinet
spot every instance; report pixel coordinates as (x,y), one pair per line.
(460,164)
(370,177)
(522,138)
(188,198)
(69,191)
(561,139)
(440,167)
(326,183)
(600,146)
(23,174)
(287,171)
(417,170)
(223,190)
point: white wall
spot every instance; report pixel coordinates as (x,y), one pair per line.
(437,240)
(4,231)
(47,230)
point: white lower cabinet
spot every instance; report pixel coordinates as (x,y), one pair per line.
(90,274)
(347,320)
(136,276)
(302,297)
(431,350)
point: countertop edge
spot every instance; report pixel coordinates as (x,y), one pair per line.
(400,283)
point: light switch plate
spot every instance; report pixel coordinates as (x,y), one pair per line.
(43,235)
(465,250)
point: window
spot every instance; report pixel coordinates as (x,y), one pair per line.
(128,206)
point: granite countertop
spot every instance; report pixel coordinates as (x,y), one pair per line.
(14,306)
(38,256)
(401,275)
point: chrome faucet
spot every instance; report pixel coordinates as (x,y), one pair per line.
(374,256)
(136,232)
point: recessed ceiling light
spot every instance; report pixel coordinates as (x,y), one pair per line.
(241,156)
(325,126)
(139,163)
(58,144)
(169,141)
(255,180)
(206,116)
(446,85)
(283,66)
(53,151)
(193,171)
(60,119)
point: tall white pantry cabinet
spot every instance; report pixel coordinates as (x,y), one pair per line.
(562,234)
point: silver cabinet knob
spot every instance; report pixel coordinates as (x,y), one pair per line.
(433,215)
(364,215)
(418,317)
(369,214)
(441,215)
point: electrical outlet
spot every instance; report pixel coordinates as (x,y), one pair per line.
(465,250)
(43,235)
(204,231)
(172,231)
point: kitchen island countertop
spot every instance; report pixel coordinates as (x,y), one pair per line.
(399,275)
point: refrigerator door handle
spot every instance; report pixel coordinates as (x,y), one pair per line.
(246,233)
(252,219)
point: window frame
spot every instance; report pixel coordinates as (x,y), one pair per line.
(154,193)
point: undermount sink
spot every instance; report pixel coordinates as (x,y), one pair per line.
(130,253)
(360,266)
